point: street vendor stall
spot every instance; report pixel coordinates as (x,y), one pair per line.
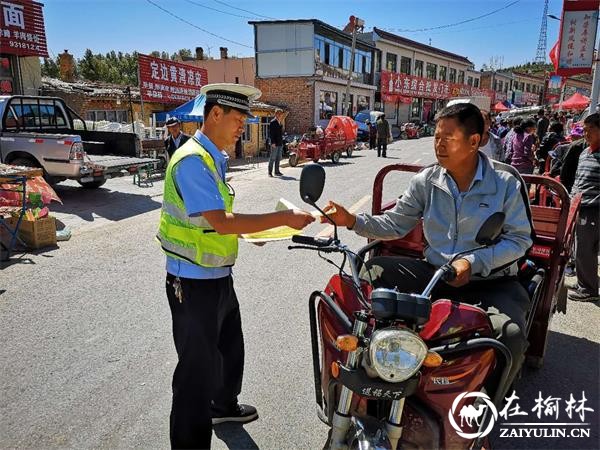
(577,102)
(21,187)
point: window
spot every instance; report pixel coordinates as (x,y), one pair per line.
(500,84)
(470,81)
(345,104)
(452,77)
(405,65)
(319,49)
(476,82)
(391,62)
(327,53)
(461,77)
(443,73)
(528,87)
(264,127)
(340,63)
(120,116)
(432,71)
(247,135)
(327,104)
(418,68)
(496,85)
(506,87)
(23,115)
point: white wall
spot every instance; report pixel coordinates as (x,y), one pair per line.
(285,49)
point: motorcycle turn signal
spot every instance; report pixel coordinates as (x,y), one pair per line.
(347,342)
(433,359)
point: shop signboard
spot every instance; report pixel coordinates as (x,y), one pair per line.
(22,31)
(577,37)
(165,81)
(393,83)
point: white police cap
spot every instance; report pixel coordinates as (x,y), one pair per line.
(236,96)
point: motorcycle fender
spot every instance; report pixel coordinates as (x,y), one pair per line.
(368,433)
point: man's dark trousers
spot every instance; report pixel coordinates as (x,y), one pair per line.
(505,300)
(586,250)
(382,143)
(207,331)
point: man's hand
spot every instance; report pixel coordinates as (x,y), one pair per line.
(340,215)
(273,146)
(463,272)
(297,219)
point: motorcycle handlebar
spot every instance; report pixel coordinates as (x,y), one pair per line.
(449,272)
(309,240)
(320,249)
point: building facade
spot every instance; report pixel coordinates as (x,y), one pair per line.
(304,66)
(226,69)
(415,80)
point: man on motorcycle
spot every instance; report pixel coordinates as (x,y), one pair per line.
(454,197)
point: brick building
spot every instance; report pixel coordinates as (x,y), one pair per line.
(304,65)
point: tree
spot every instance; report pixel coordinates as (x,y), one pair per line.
(50,68)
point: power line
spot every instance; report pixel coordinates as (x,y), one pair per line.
(218,10)
(498,25)
(196,26)
(245,10)
(401,30)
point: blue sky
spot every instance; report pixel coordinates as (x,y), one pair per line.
(127,25)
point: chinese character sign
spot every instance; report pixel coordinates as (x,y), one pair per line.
(22,30)
(393,83)
(166,81)
(577,37)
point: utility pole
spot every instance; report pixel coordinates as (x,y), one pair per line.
(356,24)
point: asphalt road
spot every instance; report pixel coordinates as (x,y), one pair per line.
(87,354)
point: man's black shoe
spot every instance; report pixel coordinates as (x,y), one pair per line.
(270,174)
(241,414)
(279,174)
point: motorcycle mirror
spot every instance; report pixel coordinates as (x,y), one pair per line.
(312,182)
(491,229)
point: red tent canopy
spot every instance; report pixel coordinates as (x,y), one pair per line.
(499,107)
(576,101)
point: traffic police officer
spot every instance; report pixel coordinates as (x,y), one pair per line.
(176,137)
(199,235)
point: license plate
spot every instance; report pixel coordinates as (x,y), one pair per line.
(86,179)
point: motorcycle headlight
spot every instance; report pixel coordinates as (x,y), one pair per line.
(396,354)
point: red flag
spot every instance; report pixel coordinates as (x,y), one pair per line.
(554,56)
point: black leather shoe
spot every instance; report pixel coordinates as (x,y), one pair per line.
(270,174)
(279,174)
(241,414)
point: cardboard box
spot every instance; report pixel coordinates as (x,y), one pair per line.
(39,233)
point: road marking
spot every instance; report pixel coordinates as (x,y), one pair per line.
(328,230)
(417,160)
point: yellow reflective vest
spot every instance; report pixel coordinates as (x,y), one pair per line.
(192,239)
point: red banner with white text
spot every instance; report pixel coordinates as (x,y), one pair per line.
(393,83)
(22,30)
(165,81)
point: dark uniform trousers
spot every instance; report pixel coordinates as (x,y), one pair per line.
(505,300)
(207,331)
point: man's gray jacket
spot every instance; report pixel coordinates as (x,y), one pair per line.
(447,230)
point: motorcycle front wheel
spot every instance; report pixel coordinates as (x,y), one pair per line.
(293,160)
